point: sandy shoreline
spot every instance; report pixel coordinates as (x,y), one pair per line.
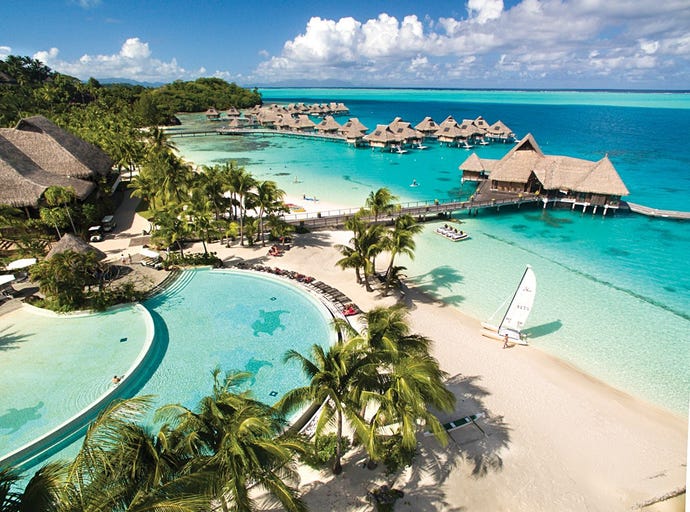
(557,439)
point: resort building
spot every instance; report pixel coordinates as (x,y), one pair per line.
(353,131)
(383,138)
(212,114)
(404,131)
(449,131)
(38,154)
(526,170)
(500,132)
(328,125)
(427,127)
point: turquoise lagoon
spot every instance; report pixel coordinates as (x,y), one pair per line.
(613,293)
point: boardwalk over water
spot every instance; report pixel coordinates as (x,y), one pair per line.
(654,212)
(420,209)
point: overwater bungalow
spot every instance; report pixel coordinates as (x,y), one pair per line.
(449,132)
(328,125)
(382,137)
(481,124)
(404,131)
(232,112)
(212,114)
(500,132)
(37,154)
(353,131)
(525,169)
(302,123)
(428,127)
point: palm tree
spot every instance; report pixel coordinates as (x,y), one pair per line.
(400,240)
(331,373)
(41,494)
(171,229)
(269,198)
(239,441)
(61,196)
(242,183)
(380,202)
(122,467)
(200,211)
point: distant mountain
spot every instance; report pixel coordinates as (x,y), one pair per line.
(307,83)
(129,81)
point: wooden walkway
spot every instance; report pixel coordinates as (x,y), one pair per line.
(423,210)
(654,212)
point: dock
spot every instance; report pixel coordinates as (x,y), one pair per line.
(655,212)
(422,210)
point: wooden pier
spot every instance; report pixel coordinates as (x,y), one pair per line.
(422,210)
(654,212)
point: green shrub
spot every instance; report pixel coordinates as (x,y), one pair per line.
(323,450)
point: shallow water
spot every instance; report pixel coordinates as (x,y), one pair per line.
(614,292)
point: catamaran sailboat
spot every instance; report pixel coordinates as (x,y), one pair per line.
(517,312)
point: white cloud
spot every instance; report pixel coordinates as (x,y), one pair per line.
(485,10)
(549,39)
(134,61)
(88,4)
(5,51)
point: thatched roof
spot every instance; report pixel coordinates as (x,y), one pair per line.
(499,129)
(24,181)
(403,130)
(328,124)
(481,123)
(232,112)
(89,155)
(473,163)
(577,175)
(302,122)
(517,165)
(469,129)
(382,134)
(70,242)
(353,125)
(427,125)
(554,172)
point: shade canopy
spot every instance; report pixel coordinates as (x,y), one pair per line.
(23,263)
(7,278)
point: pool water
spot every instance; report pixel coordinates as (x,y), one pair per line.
(52,366)
(233,320)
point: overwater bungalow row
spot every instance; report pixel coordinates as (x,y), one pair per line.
(526,171)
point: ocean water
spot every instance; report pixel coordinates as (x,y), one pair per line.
(613,293)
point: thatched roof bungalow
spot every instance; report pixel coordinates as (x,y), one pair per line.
(404,131)
(232,112)
(70,242)
(302,123)
(382,137)
(449,131)
(328,125)
(525,168)
(38,154)
(88,154)
(353,131)
(212,114)
(475,168)
(428,127)
(500,132)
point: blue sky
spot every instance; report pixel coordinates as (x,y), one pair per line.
(614,44)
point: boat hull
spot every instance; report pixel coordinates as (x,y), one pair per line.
(491,331)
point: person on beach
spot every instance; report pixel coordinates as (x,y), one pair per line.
(505,341)
(116,380)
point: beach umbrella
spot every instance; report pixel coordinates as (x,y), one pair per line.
(7,278)
(23,263)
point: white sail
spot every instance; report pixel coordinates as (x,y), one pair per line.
(520,307)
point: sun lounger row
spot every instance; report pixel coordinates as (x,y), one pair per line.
(452,233)
(346,306)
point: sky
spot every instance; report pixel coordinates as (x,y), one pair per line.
(531,44)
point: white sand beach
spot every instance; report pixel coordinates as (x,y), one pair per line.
(554,438)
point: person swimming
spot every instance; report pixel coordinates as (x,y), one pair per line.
(414,183)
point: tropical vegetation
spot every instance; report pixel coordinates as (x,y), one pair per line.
(370,238)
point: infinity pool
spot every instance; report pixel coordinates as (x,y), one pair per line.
(52,366)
